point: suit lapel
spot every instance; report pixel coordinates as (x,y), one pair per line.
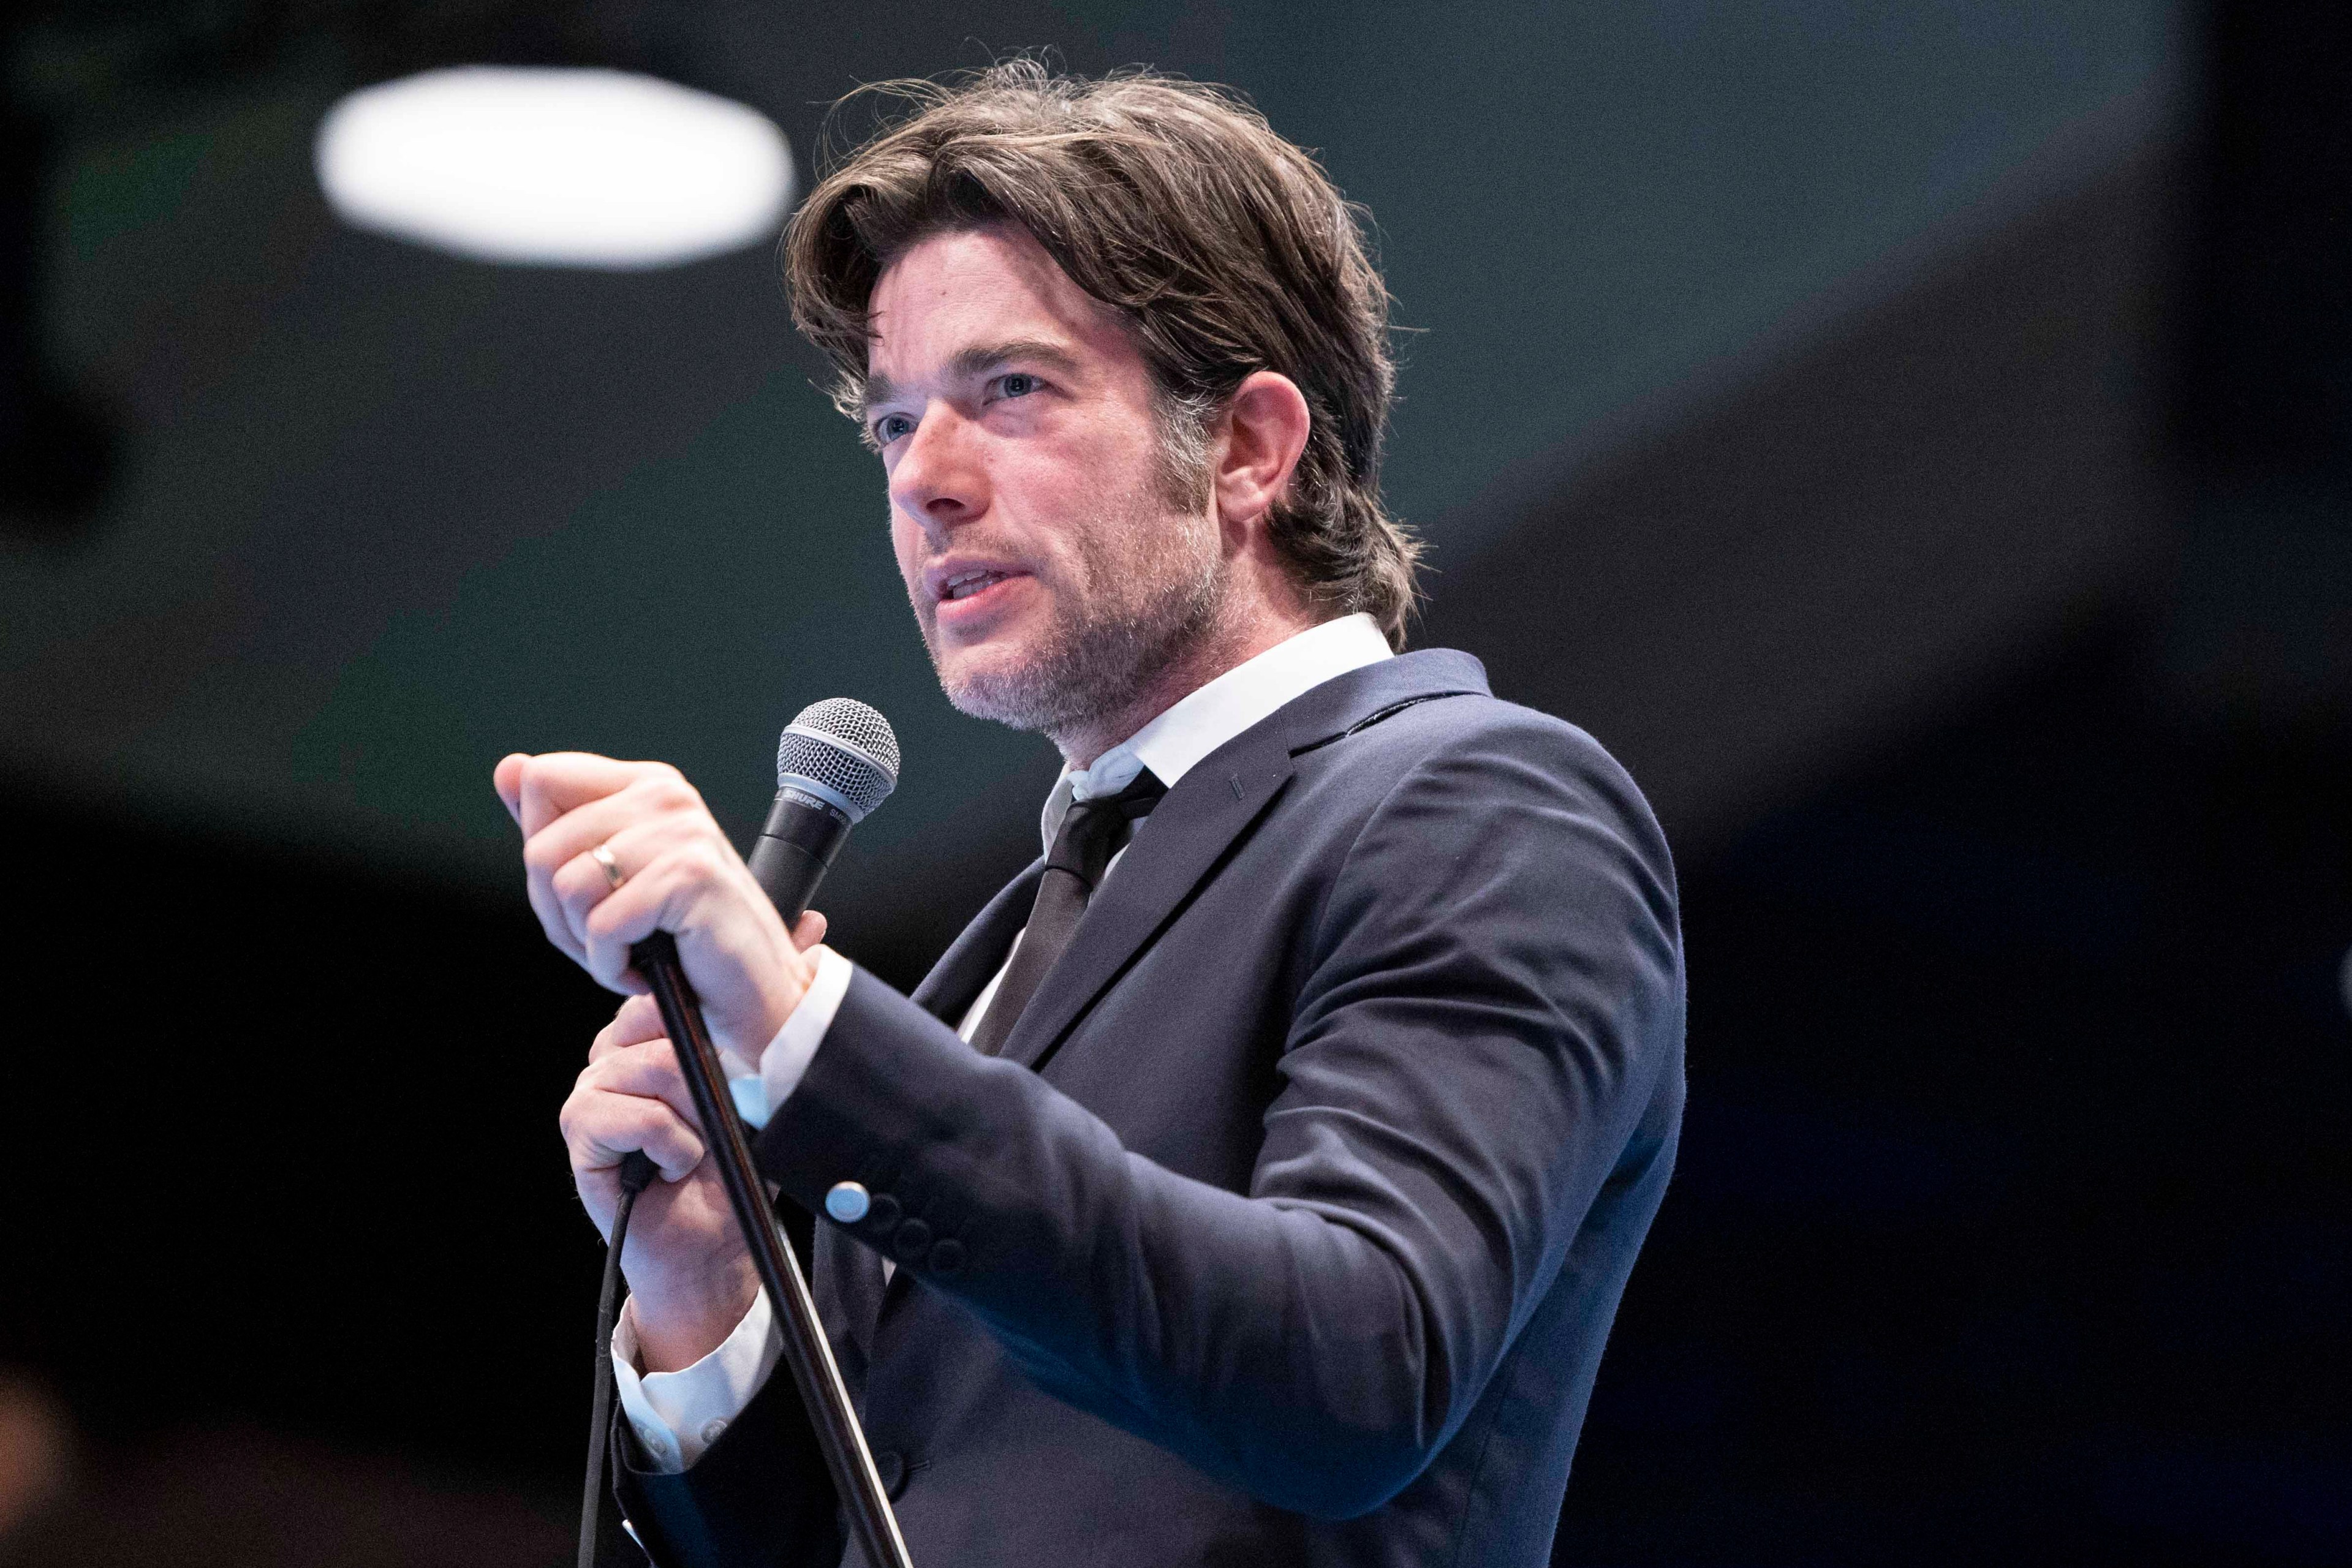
(1208,811)
(1182,841)
(1179,844)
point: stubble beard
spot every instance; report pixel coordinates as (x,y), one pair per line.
(1098,657)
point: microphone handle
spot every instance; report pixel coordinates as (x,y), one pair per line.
(795,848)
(806,1350)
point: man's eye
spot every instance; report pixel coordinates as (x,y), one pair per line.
(1019,384)
(890,427)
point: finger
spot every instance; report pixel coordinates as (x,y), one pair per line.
(660,792)
(566,877)
(809,930)
(555,782)
(601,1129)
(696,885)
(506,779)
(577,887)
(550,848)
(552,921)
(636,1021)
(647,1070)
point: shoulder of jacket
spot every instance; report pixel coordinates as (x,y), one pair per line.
(1473,743)
(1403,735)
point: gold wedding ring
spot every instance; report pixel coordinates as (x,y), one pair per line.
(613,872)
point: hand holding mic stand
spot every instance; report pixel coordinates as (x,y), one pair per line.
(806,1349)
(836,762)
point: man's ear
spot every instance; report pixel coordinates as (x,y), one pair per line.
(1266,422)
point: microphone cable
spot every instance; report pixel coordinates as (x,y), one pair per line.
(636,1175)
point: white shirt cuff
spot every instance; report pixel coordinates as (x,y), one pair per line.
(679,1414)
(787,1057)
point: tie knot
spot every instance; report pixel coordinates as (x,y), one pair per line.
(1090,830)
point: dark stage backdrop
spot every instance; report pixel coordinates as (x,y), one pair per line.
(1980,614)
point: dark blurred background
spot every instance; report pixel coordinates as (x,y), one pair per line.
(1916,437)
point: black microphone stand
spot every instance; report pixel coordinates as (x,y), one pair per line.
(806,1351)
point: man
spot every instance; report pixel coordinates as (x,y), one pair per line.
(1255,1180)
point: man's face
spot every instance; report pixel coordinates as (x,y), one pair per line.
(1051,563)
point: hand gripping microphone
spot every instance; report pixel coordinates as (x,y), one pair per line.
(837,761)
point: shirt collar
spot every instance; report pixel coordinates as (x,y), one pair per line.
(1212,715)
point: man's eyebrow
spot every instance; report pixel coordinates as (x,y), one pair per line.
(972,362)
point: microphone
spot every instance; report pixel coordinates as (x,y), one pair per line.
(835,763)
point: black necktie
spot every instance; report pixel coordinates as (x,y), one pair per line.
(1074,867)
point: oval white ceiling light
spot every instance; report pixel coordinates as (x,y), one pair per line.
(557,167)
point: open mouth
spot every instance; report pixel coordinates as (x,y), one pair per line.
(965,584)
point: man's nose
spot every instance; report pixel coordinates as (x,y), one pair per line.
(937,480)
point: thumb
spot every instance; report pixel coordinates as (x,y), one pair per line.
(506,779)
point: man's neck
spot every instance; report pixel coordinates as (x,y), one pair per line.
(1226,648)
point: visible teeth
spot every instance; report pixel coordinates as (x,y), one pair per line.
(965,586)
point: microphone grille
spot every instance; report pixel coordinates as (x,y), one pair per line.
(845,746)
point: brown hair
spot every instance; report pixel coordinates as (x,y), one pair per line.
(1227,250)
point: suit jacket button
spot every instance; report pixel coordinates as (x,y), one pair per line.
(912,1240)
(891,1466)
(884,1214)
(847,1202)
(947,1256)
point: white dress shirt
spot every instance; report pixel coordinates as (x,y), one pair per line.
(678,1415)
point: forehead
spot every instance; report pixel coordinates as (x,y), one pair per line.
(951,293)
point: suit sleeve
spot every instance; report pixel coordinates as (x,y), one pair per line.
(1493,989)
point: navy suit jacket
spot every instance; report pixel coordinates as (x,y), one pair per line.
(1288,1226)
